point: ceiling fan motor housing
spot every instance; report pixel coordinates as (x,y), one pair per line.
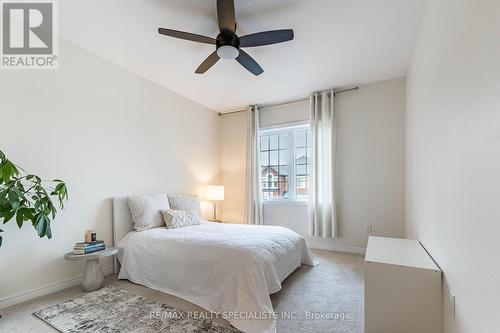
(227,38)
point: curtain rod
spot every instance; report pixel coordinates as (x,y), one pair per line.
(268,105)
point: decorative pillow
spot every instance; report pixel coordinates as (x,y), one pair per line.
(145,210)
(180,218)
(184,202)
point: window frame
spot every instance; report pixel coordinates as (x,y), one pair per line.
(290,130)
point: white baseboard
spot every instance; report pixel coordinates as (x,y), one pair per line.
(49,289)
(337,248)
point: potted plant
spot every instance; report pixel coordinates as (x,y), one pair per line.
(26,197)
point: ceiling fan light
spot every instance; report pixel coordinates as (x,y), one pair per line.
(227,52)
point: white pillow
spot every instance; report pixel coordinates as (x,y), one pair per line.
(145,210)
(184,202)
(180,218)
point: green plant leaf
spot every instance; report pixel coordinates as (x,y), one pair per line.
(19,219)
(40,225)
(15,204)
(5,171)
(27,212)
(48,232)
(4,209)
(8,215)
(8,170)
(25,197)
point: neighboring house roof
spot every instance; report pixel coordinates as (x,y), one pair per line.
(284,171)
(273,171)
(303,160)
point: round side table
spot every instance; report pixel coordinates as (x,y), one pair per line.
(93,276)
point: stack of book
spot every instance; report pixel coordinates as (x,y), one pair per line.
(85,248)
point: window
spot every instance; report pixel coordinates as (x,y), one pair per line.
(274,164)
(302,162)
(285,163)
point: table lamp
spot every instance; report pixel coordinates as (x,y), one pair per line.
(215,193)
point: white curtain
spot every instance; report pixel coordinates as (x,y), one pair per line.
(324,213)
(253,209)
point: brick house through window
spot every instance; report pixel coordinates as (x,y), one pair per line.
(273,183)
(285,163)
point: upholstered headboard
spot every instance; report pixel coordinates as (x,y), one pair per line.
(122,222)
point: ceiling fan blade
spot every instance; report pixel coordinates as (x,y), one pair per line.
(208,63)
(249,63)
(226,16)
(266,38)
(186,36)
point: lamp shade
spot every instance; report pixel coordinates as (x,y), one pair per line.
(228,52)
(215,192)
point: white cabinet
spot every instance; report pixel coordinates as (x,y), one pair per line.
(402,288)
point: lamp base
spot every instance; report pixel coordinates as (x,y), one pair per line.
(215,219)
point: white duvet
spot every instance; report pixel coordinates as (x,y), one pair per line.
(226,268)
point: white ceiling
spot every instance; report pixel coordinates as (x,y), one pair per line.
(337,43)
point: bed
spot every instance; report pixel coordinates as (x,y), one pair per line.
(229,269)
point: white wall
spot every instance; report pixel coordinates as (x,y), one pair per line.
(105,132)
(282,114)
(453,155)
(370,166)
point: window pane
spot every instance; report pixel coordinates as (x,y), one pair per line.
(264,142)
(301,181)
(300,138)
(283,189)
(274,141)
(274,157)
(283,170)
(283,141)
(303,187)
(264,158)
(300,155)
(302,163)
(301,169)
(283,156)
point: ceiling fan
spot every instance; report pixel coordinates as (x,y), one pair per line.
(228,44)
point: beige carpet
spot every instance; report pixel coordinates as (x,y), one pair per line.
(327,298)
(333,292)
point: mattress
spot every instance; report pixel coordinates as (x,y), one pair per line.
(229,269)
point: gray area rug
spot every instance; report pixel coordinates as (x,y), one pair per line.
(115,310)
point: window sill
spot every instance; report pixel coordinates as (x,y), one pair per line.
(285,203)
